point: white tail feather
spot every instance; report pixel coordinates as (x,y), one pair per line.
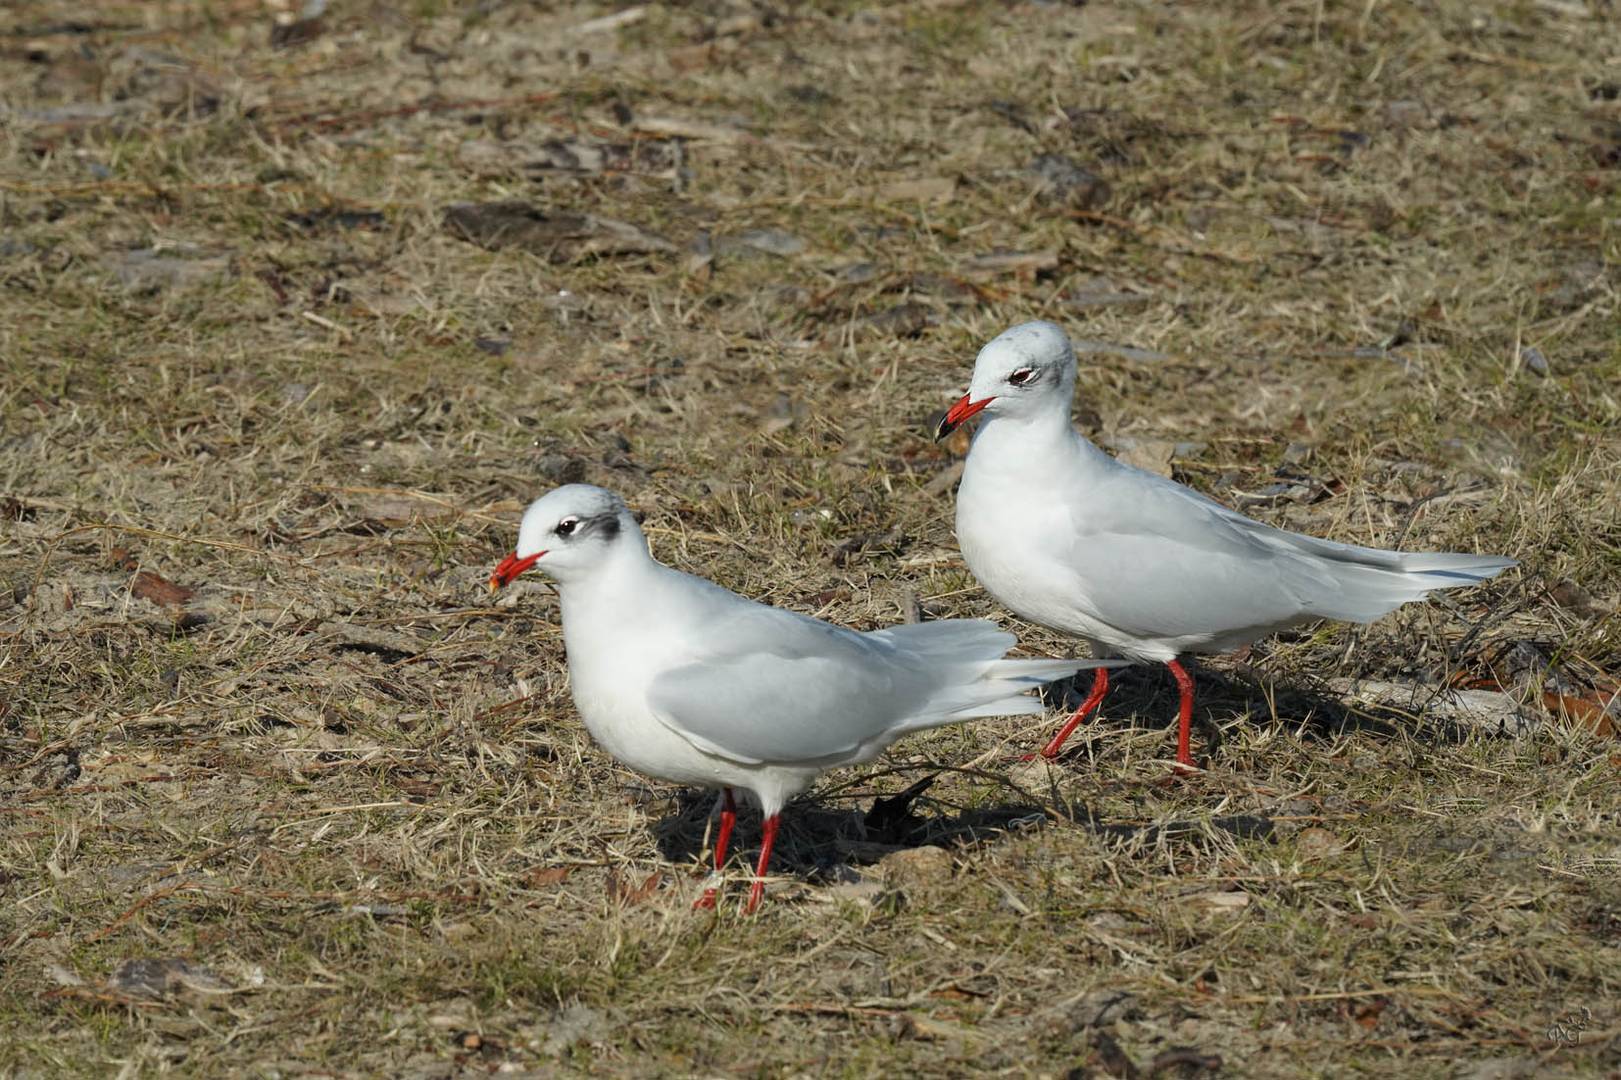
(1001,689)
(1369,583)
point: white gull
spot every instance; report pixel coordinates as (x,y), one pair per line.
(1138,565)
(688,682)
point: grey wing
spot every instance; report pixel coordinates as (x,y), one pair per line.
(1172,563)
(779,688)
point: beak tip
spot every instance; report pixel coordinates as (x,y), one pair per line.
(510,568)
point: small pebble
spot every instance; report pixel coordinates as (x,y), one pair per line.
(1532,358)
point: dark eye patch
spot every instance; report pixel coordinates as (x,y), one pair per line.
(1024,376)
(605,525)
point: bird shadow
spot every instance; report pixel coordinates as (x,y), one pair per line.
(823,839)
(820,843)
(1146,691)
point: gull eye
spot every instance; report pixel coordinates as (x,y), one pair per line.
(1023,377)
(567,526)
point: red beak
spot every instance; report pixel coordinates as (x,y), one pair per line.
(958,413)
(510,567)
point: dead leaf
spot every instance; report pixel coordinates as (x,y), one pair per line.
(1568,594)
(542,876)
(767,241)
(373,639)
(1010,262)
(1221,901)
(902,320)
(1317,843)
(1483,708)
(689,58)
(1101,292)
(486,158)
(418,789)
(150,270)
(1592,712)
(151,977)
(922,189)
(629,895)
(1366,1013)
(571,1024)
(916,867)
(928,1029)
(62,976)
(817,601)
(398,511)
(947,478)
(671,127)
(380,300)
(337,218)
(1149,455)
(159,590)
(861,891)
(1060,180)
(559,237)
(1180,1061)
(1129,352)
(84,119)
(573,155)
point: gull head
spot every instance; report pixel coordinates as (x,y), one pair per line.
(1021,372)
(568,533)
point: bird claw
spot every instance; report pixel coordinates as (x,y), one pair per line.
(1181,770)
(712,885)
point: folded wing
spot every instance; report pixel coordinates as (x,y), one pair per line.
(1182,566)
(780,688)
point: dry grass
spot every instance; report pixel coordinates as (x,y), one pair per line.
(241,353)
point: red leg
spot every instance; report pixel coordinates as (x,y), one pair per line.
(767,841)
(1100,686)
(1184,733)
(723,837)
(728,818)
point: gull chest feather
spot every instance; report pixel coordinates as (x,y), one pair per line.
(620,638)
(615,650)
(1009,516)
